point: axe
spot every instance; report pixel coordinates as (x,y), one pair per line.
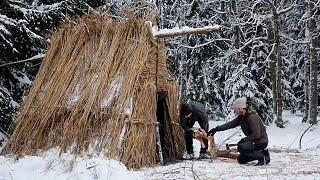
(230,145)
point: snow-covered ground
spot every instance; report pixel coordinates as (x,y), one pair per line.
(287,161)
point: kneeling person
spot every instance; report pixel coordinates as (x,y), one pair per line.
(253,146)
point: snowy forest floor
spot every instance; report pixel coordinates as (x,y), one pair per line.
(283,166)
(287,161)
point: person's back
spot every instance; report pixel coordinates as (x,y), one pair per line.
(256,128)
(195,105)
(193,112)
(189,114)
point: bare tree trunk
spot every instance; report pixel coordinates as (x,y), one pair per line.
(233,6)
(278,73)
(306,91)
(307,80)
(313,66)
(183,65)
(237,42)
(236,30)
(4,4)
(272,59)
(160,7)
(223,9)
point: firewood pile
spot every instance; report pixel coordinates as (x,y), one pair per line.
(201,135)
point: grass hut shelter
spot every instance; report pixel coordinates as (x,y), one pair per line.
(103,86)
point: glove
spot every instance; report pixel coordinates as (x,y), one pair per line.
(212,131)
(245,139)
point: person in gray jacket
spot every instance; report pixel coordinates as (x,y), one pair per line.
(253,146)
(189,114)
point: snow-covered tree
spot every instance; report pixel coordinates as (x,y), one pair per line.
(25,30)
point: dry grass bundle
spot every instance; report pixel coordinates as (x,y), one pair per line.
(97,87)
(141,130)
(162,71)
(173,91)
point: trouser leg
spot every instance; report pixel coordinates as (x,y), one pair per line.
(250,151)
(189,142)
(204,150)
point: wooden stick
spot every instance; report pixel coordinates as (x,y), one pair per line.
(159,144)
(213,149)
(34,58)
(162,33)
(227,154)
(214,152)
(300,140)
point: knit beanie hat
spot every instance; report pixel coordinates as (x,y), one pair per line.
(240,103)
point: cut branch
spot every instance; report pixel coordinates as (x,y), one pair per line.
(162,33)
(232,154)
(34,58)
(304,134)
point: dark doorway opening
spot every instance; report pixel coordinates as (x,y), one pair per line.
(165,128)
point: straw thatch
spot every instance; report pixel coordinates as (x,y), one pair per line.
(99,87)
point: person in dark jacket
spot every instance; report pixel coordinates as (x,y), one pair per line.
(253,146)
(189,114)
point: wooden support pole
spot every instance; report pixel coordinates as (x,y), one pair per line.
(163,33)
(159,143)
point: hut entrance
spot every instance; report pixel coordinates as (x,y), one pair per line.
(166,150)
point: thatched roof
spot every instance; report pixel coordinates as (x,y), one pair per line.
(97,88)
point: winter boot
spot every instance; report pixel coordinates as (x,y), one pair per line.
(204,156)
(188,156)
(244,158)
(265,159)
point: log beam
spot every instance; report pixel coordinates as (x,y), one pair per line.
(227,154)
(164,33)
